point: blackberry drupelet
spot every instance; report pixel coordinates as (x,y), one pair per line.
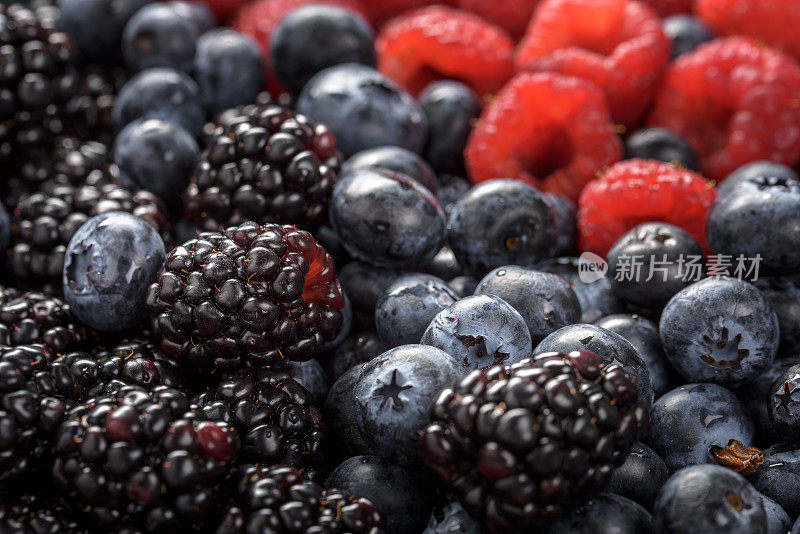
(275,417)
(263,163)
(28,511)
(532,440)
(278,499)
(147,458)
(36,318)
(252,295)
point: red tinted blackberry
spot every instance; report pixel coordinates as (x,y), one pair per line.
(278,499)
(275,417)
(263,163)
(528,441)
(146,458)
(253,295)
(33,317)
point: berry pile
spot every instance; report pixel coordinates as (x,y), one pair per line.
(399,266)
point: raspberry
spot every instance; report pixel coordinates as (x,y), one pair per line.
(551,131)
(223,9)
(735,102)
(512,15)
(665,8)
(775,22)
(440,42)
(637,191)
(617,44)
(380,11)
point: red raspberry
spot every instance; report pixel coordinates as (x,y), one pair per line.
(223,9)
(665,8)
(380,11)
(617,44)
(735,102)
(636,191)
(513,15)
(552,131)
(440,42)
(774,22)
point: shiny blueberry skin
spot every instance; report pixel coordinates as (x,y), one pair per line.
(501,222)
(159,36)
(229,70)
(784,405)
(396,159)
(405,308)
(686,33)
(160,93)
(693,417)
(386,219)
(340,409)
(597,299)
(756,395)
(657,246)
(311,376)
(404,495)
(364,283)
(784,295)
(464,286)
(359,347)
(444,265)
(363,109)
(760,216)
(5,229)
(778,521)
(709,498)
(155,155)
(199,14)
(96,25)
(544,300)
(109,264)
(313,38)
(480,331)
(451,107)
(720,330)
(565,214)
(756,173)
(453,519)
(609,346)
(778,477)
(640,477)
(606,512)
(643,335)
(451,188)
(660,144)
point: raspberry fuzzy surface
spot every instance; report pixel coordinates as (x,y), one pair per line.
(636,191)
(549,130)
(735,102)
(665,8)
(618,45)
(512,15)
(380,11)
(441,42)
(774,22)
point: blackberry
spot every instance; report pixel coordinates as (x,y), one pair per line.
(28,511)
(263,163)
(275,418)
(278,499)
(529,441)
(36,390)
(146,458)
(34,317)
(252,295)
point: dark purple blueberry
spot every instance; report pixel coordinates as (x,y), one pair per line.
(396,160)
(364,283)
(605,513)
(756,174)
(159,36)
(784,295)
(451,107)
(756,398)
(454,519)
(640,477)
(96,26)
(311,376)
(720,330)
(778,521)
(358,348)
(596,298)
(686,33)
(662,145)
(464,286)
(451,188)
(784,405)
(565,217)
(199,14)
(444,265)
(778,476)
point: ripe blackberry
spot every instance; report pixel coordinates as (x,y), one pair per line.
(275,418)
(147,458)
(252,295)
(529,441)
(263,163)
(28,511)
(36,318)
(278,499)
(36,390)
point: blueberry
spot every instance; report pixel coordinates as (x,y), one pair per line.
(661,144)
(480,331)
(199,14)
(719,330)
(405,308)
(96,26)
(691,418)
(453,519)
(393,396)
(5,230)
(755,396)
(606,512)
(347,325)
(160,93)
(444,265)
(784,404)
(108,265)
(565,214)
(313,38)
(363,109)
(778,521)
(784,296)
(756,173)
(159,36)
(358,348)
(330,241)
(686,33)
(451,107)
(662,251)
(404,495)
(386,219)
(640,477)
(364,283)
(759,217)
(155,155)
(544,300)
(311,376)
(610,347)
(778,477)
(229,70)
(340,412)
(451,188)
(396,159)
(501,222)
(186,230)
(596,298)
(464,286)
(709,498)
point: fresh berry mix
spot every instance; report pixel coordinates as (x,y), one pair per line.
(686,33)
